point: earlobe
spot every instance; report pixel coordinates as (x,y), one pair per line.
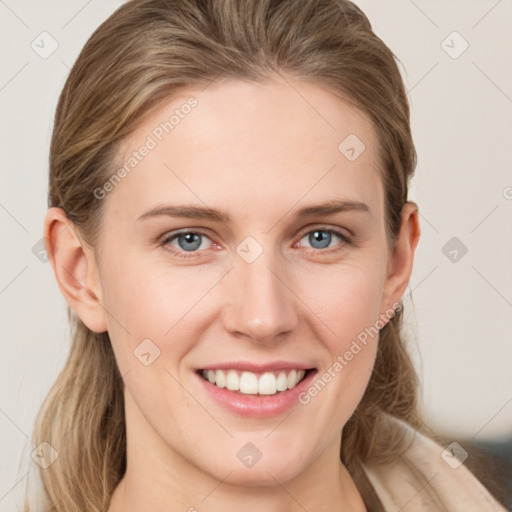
(402,259)
(75,269)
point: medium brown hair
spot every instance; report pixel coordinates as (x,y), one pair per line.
(141,55)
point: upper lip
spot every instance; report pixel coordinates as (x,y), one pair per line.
(252,367)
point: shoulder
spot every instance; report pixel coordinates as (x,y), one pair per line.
(421,480)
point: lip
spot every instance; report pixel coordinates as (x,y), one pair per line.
(257,406)
(257,368)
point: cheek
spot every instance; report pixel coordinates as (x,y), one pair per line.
(138,305)
(347,300)
(348,309)
(346,304)
(144,300)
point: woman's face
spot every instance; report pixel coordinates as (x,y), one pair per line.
(267,279)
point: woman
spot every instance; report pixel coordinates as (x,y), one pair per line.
(229,225)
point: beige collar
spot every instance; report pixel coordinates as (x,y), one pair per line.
(422,481)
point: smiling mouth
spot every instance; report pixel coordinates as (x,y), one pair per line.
(255,383)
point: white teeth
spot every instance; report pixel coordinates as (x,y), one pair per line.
(232,380)
(282,382)
(220,379)
(250,383)
(292,378)
(267,384)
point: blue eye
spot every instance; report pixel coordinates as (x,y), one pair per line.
(318,236)
(189,243)
(321,238)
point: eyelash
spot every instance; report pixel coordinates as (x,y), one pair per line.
(169,237)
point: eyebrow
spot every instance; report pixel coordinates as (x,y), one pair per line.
(195,212)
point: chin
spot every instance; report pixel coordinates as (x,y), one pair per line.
(262,474)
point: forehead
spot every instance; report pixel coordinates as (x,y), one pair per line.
(250,147)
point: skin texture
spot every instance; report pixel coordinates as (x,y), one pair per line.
(260,152)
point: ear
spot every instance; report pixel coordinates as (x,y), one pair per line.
(75,268)
(402,258)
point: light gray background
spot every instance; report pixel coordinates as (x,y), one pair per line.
(461,319)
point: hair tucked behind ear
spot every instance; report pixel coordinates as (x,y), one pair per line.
(142,54)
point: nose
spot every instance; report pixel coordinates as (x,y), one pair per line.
(260,304)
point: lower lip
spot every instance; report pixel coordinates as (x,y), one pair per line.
(257,406)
